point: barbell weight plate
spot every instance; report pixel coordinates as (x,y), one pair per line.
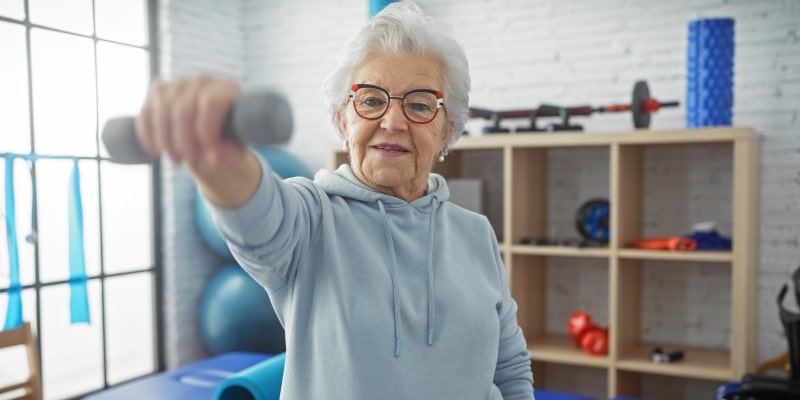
(592,220)
(641,92)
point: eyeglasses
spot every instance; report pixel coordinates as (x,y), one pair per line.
(419,106)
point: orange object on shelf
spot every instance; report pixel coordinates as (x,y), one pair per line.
(674,243)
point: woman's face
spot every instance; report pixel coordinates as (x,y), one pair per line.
(392,154)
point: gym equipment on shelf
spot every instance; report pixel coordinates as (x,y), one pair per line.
(591,220)
(673,243)
(587,335)
(641,107)
(709,72)
(660,356)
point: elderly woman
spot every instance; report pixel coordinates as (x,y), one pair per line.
(385,289)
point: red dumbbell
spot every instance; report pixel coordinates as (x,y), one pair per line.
(590,337)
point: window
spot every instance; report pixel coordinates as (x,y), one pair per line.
(67,67)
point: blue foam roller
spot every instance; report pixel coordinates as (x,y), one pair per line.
(375,6)
(259,382)
(709,62)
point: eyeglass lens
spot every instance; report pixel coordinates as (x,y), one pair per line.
(418,106)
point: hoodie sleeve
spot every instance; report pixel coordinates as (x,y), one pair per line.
(267,234)
(513,372)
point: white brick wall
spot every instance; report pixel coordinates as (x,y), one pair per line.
(523,54)
(194,36)
(292,46)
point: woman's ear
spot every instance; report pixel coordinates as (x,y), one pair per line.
(341,124)
(448,133)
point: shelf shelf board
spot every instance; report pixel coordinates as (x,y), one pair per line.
(560,349)
(582,139)
(532,139)
(697,363)
(487,142)
(592,139)
(705,256)
(560,251)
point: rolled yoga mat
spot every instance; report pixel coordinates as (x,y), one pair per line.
(259,382)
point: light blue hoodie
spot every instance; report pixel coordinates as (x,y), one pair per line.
(381,298)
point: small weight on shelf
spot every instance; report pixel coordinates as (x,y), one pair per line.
(592,220)
(660,356)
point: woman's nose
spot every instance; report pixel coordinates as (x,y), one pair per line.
(395,120)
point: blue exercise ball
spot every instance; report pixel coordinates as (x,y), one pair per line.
(283,163)
(236,315)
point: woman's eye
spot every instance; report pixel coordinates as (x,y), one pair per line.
(422,107)
(371,102)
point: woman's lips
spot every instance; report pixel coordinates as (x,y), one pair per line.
(391,150)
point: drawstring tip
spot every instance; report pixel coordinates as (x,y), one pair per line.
(397,348)
(430,337)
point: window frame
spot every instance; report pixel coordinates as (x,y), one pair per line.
(156,268)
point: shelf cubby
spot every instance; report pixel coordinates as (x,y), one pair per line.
(658,183)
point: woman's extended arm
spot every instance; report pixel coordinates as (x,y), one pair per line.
(184,119)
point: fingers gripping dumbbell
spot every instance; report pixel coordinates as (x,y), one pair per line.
(587,335)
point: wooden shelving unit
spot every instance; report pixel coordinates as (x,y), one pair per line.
(525,188)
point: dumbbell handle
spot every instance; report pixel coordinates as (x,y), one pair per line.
(256,118)
(649,105)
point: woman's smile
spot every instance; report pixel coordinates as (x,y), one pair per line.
(390,150)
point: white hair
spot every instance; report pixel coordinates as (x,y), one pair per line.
(402,29)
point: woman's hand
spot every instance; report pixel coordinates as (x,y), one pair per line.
(184,119)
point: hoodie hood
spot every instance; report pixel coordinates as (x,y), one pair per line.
(343,182)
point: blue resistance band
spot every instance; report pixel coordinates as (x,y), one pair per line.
(14,310)
(78,298)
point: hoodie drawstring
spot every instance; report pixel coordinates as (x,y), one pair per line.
(395,285)
(395,278)
(431,294)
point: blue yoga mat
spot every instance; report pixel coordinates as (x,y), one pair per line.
(262,381)
(548,395)
(259,382)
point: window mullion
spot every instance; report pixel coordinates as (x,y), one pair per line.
(34,200)
(102,278)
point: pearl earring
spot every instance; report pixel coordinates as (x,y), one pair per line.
(441,157)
